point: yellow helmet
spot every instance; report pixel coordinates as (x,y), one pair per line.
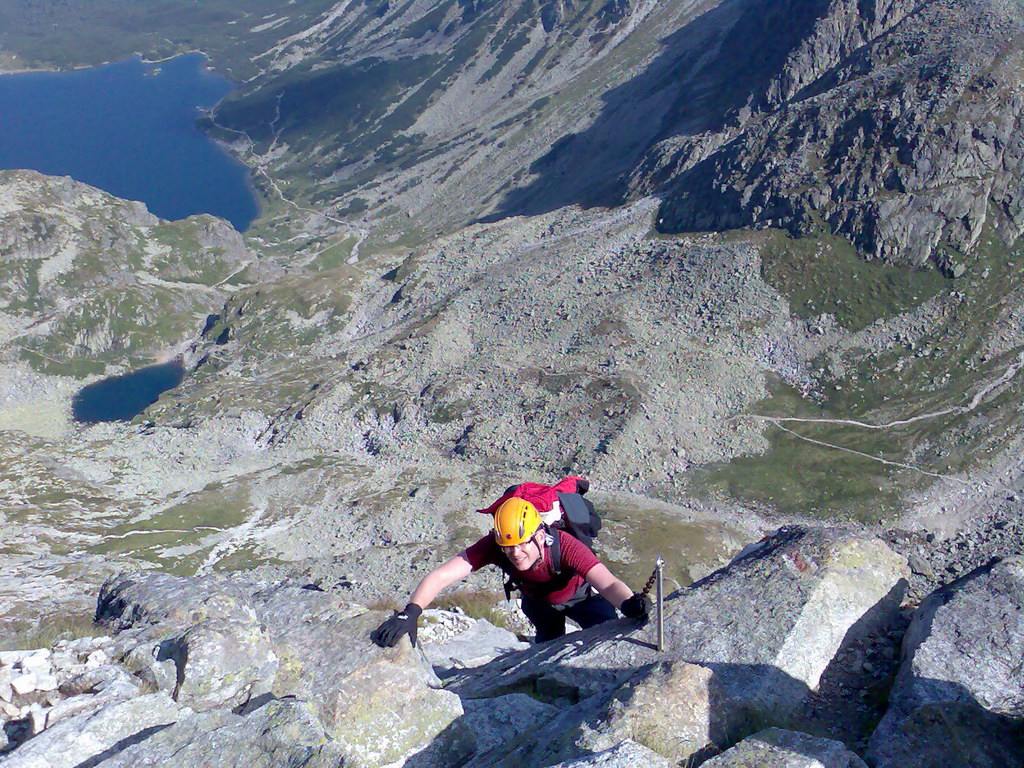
(515,522)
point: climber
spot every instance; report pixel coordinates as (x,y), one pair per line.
(556,573)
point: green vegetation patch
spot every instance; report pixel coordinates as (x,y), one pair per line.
(23,634)
(476,603)
(797,476)
(179,538)
(823,274)
(922,391)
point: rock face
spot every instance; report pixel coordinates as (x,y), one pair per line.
(959,697)
(453,640)
(82,738)
(776,748)
(745,649)
(756,669)
(282,734)
(233,642)
(628,754)
(893,123)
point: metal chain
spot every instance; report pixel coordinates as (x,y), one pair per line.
(650,583)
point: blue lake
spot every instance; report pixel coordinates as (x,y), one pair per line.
(120,398)
(128,128)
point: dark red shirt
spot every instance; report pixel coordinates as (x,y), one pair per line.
(540,581)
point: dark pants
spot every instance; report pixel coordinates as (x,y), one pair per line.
(550,621)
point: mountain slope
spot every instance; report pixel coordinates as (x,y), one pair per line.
(89,280)
(705,360)
(906,139)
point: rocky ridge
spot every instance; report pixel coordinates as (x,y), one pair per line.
(350,413)
(90,281)
(892,125)
(756,668)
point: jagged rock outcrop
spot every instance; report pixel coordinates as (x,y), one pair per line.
(895,124)
(628,754)
(86,737)
(745,649)
(777,748)
(750,676)
(959,697)
(256,642)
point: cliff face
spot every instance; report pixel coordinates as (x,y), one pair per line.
(895,126)
(889,122)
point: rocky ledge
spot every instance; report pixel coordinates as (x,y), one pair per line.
(785,657)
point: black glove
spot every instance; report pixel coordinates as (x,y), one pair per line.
(403,622)
(635,607)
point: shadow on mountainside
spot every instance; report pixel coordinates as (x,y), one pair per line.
(710,68)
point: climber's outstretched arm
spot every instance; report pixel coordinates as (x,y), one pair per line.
(444,575)
(404,622)
(612,589)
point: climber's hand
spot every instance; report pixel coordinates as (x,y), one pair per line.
(635,607)
(401,623)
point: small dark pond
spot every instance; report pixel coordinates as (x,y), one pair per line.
(121,398)
(128,128)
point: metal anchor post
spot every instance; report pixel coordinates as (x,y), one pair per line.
(659,570)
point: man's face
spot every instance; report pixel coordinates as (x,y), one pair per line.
(524,556)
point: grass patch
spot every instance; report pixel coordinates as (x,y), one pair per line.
(823,274)
(795,476)
(935,377)
(384,604)
(333,256)
(48,630)
(475,603)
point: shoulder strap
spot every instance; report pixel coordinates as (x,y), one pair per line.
(556,551)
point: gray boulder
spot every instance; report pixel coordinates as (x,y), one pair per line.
(161,602)
(208,629)
(380,704)
(487,727)
(745,649)
(490,723)
(777,748)
(280,734)
(223,663)
(628,754)
(468,643)
(233,639)
(80,739)
(959,697)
